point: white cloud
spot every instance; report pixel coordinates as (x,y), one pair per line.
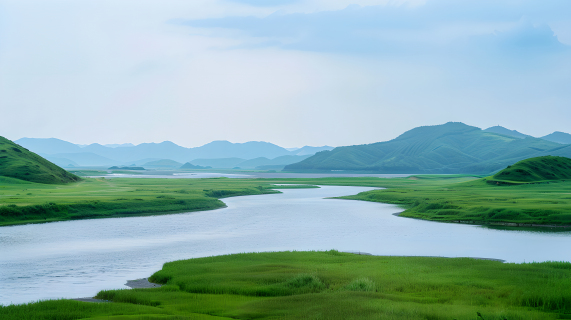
(117,71)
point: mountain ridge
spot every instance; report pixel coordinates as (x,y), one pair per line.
(559,137)
(100,155)
(453,147)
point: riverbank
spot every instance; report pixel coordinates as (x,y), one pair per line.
(444,198)
(23,203)
(477,202)
(331,285)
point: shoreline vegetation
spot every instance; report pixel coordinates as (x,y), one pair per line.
(444,198)
(328,285)
(477,202)
(24,202)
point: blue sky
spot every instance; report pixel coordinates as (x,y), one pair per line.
(291,72)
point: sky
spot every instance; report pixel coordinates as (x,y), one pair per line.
(290,72)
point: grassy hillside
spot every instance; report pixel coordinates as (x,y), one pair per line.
(330,285)
(537,169)
(18,162)
(449,148)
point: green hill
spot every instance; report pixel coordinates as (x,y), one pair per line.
(449,148)
(537,169)
(18,162)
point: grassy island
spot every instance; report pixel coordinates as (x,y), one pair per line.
(329,285)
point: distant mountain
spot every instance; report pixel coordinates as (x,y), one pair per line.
(61,162)
(307,150)
(507,132)
(537,169)
(164,150)
(276,162)
(189,165)
(247,150)
(17,162)
(449,148)
(229,163)
(123,145)
(87,159)
(163,163)
(139,162)
(223,163)
(559,137)
(48,146)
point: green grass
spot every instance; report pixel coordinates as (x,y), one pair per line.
(330,285)
(476,201)
(537,169)
(449,198)
(17,162)
(25,202)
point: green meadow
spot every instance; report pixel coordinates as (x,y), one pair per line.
(26,202)
(445,198)
(477,201)
(329,285)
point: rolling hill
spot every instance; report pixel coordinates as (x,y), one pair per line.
(453,147)
(547,168)
(18,162)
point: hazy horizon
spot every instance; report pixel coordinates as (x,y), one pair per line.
(289,72)
(129,144)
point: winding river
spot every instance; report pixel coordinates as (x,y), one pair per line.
(74,259)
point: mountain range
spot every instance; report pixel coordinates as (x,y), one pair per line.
(67,154)
(453,147)
(448,148)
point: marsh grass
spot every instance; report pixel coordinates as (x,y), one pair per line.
(452,198)
(105,198)
(476,201)
(330,285)
(361,284)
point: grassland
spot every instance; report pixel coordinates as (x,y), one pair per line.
(26,202)
(453,198)
(330,285)
(476,201)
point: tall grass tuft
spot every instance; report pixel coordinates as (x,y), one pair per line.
(306,282)
(361,284)
(126,296)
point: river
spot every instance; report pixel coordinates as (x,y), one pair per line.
(73,259)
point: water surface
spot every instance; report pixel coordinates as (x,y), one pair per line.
(73,259)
